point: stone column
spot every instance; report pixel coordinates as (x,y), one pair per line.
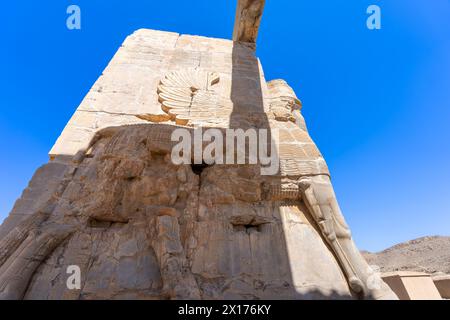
(248,19)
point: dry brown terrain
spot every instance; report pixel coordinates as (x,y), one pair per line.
(428,254)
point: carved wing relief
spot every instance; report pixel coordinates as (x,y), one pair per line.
(188,96)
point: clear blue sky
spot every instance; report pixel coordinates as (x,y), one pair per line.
(377,102)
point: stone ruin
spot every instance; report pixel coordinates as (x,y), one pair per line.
(112,202)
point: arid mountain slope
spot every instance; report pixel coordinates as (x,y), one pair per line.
(428,254)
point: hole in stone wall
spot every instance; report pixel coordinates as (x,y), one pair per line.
(198,168)
(248,223)
(103,224)
(247,228)
(98,224)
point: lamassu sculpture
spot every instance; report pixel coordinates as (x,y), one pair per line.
(112,202)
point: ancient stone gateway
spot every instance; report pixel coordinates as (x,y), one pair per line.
(112,202)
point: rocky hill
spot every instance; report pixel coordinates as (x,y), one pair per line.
(428,254)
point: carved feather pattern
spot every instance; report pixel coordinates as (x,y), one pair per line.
(188,94)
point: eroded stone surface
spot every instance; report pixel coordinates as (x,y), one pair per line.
(112,202)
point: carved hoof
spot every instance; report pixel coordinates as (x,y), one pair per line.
(356,285)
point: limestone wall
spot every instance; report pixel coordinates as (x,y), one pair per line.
(112,202)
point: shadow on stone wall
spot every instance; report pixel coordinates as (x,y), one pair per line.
(140,227)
